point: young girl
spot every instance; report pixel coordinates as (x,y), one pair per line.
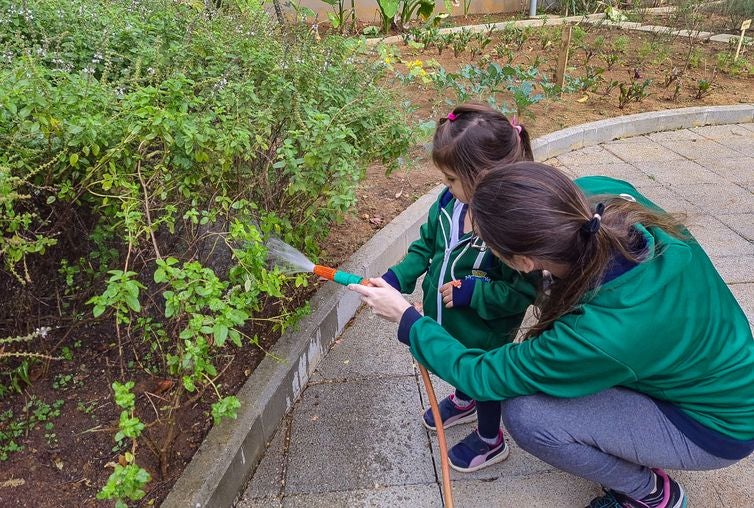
(641,358)
(466,289)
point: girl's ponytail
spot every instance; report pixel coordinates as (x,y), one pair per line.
(531,209)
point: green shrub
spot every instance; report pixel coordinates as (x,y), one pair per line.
(165,144)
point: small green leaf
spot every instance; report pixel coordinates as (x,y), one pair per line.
(220,333)
(74,159)
(133,302)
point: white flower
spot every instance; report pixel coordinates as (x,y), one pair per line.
(42,332)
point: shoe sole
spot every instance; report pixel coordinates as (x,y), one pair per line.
(499,458)
(465,419)
(682,500)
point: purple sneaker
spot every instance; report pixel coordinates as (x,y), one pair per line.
(669,494)
(450,413)
(473,453)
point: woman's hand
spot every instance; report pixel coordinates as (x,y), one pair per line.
(384,300)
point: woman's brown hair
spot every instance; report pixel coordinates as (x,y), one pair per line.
(531,209)
(475,137)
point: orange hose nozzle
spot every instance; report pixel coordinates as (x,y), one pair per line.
(324,271)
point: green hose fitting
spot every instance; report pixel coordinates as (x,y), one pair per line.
(346,278)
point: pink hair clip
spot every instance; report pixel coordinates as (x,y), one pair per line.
(452,117)
(515,125)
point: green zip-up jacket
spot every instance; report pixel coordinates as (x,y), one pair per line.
(500,295)
(669,327)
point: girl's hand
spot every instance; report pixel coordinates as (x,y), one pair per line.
(447,292)
(384,300)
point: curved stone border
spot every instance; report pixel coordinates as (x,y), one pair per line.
(602,131)
(232,449)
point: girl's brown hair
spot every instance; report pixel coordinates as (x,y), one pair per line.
(475,137)
(534,210)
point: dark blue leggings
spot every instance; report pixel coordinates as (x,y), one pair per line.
(488,415)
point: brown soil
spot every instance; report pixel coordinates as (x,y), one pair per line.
(70,469)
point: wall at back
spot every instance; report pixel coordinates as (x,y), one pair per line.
(367,10)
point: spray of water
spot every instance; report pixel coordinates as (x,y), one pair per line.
(287,258)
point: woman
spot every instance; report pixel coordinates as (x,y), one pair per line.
(641,358)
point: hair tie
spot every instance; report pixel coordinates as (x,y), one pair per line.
(516,125)
(592,225)
(452,116)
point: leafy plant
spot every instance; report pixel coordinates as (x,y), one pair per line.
(339,13)
(480,41)
(420,8)
(635,91)
(13,428)
(620,44)
(461,41)
(128,480)
(550,36)
(406,9)
(504,52)
(704,87)
(515,35)
(672,77)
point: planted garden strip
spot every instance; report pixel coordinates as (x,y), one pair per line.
(233,448)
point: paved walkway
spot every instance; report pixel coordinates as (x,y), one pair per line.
(354,438)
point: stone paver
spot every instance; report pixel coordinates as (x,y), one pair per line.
(354,439)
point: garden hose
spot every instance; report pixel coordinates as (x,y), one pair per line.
(447,491)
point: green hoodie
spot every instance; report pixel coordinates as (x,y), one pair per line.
(500,295)
(669,327)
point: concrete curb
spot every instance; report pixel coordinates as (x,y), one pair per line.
(232,449)
(602,131)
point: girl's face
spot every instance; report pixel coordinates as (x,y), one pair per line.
(450,178)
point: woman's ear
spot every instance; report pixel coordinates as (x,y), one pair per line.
(523,263)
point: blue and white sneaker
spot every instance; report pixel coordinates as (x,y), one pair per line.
(473,453)
(451,414)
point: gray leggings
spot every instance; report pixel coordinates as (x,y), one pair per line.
(613,438)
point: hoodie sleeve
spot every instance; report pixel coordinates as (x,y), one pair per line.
(560,363)
(505,294)
(419,253)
